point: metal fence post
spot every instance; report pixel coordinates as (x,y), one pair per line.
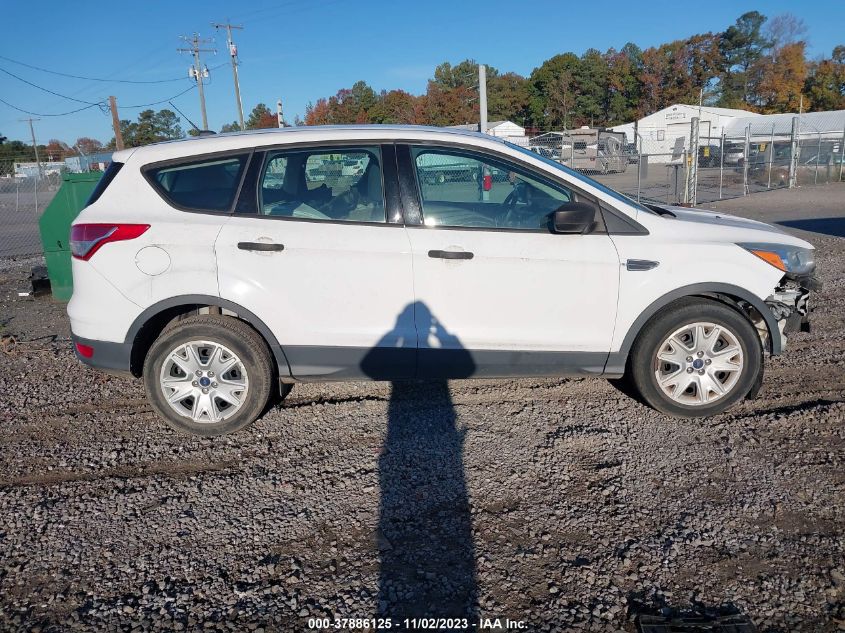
(562,146)
(639,166)
(721,164)
(842,155)
(818,160)
(692,175)
(771,156)
(36,193)
(746,154)
(793,153)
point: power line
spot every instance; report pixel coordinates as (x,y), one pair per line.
(144,105)
(14,107)
(57,94)
(118,81)
(101,104)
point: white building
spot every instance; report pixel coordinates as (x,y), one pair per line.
(503,129)
(666,132)
(830,124)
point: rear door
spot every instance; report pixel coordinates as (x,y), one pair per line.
(490,278)
(311,252)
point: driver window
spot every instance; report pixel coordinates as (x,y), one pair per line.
(469,190)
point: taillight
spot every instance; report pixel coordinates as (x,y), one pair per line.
(86,239)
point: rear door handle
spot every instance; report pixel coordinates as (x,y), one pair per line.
(260,246)
(450,254)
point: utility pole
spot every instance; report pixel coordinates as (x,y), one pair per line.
(34,144)
(233,53)
(482,98)
(115,121)
(279,117)
(197,71)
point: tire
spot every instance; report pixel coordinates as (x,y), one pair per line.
(244,371)
(674,334)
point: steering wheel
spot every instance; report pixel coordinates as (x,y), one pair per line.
(508,218)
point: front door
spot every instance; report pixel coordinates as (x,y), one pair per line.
(497,293)
(312,254)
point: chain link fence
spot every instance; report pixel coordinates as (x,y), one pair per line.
(783,151)
(25,191)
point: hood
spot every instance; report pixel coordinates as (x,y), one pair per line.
(714,225)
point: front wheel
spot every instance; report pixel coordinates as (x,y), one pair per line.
(696,358)
(208,375)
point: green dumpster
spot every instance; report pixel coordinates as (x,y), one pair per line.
(54,226)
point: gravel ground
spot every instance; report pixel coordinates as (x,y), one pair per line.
(561,504)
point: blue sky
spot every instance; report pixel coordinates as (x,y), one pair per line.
(300,50)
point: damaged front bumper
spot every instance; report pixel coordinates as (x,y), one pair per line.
(790,304)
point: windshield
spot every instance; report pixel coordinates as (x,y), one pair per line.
(585,179)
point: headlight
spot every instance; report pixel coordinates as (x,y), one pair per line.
(789,259)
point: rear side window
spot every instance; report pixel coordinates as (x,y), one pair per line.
(208,184)
(105,181)
(337,184)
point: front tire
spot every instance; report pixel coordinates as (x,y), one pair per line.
(696,358)
(208,375)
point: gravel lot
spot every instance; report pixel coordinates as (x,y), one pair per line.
(558,503)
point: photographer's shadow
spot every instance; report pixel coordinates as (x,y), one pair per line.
(425,530)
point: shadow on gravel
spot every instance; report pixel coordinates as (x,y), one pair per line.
(425,530)
(826,226)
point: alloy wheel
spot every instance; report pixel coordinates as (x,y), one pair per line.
(204,381)
(698,363)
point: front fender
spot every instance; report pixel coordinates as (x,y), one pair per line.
(616,361)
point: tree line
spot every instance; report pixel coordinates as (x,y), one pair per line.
(756,64)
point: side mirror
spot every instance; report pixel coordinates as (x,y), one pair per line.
(574,217)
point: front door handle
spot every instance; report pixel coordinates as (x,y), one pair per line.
(450,254)
(260,246)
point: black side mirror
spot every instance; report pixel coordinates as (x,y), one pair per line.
(574,217)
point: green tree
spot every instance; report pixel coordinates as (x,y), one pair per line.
(552,91)
(741,46)
(508,98)
(623,86)
(591,78)
(234,126)
(260,118)
(151,127)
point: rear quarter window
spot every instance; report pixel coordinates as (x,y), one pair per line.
(104,182)
(201,184)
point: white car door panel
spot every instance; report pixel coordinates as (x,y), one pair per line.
(335,292)
(520,299)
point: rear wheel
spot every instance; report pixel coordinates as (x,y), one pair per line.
(208,375)
(696,358)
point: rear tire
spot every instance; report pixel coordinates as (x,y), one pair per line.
(696,358)
(208,375)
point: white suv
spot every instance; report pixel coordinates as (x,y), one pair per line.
(223,271)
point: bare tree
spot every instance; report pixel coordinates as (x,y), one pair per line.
(784,29)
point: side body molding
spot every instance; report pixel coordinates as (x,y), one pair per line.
(616,361)
(205,300)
